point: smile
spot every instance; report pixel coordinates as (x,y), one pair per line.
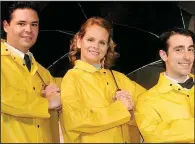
(27,37)
(184,64)
(95,52)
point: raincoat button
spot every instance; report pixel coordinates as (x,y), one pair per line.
(23,64)
(187,95)
(14,58)
(170,84)
(38,126)
(107,83)
(104,72)
(33,88)
(179,89)
(6,49)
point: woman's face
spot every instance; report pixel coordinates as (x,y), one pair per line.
(94,44)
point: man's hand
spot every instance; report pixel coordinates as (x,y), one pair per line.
(50,89)
(54,101)
(52,93)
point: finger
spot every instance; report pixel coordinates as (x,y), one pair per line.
(131,102)
(59,107)
(123,95)
(126,93)
(52,89)
(51,86)
(119,92)
(118,96)
(49,91)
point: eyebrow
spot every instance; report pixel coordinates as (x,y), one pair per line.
(192,46)
(31,22)
(179,46)
(87,37)
(182,46)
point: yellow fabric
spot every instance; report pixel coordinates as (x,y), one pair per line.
(24,112)
(89,113)
(165,113)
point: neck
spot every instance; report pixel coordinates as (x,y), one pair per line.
(24,50)
(178,78)
(98,66)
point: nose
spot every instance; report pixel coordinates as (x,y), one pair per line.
(186,55)
(28,28)
(95,45)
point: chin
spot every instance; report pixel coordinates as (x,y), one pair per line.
(27,45)
(184,73)
(93,62)
(93,59)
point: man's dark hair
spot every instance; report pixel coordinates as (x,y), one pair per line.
(12,6)
(164,37)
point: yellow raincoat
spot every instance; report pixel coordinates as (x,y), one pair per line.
(24,112)
(165,113)
(89,113)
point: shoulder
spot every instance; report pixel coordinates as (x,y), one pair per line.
(119,75)
(74,72)
(41,68)
(150,95)
(72,75)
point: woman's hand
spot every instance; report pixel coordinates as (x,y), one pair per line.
(125,98)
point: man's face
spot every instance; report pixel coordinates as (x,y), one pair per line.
(180,56)
(22,31)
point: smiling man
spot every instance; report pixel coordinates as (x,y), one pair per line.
(165,113)
(29,94)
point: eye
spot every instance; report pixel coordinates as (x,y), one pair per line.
(103,43)
(34,24)
(191,49)
(90,39)
(21,24)
(178,49)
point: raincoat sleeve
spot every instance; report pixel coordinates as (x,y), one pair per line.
(77,118)
(57,81)
(21,103)
(154,129)
(134,89)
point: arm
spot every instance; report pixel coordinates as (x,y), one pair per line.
(78,118)
(22,103)
(154,129)
(57,81)
(135,90)
(131,86)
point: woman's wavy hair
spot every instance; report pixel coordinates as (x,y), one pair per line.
(110,56)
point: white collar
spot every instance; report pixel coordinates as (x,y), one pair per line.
(175,81)
(17,52)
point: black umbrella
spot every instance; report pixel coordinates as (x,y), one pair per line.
(148,75)
(136,26)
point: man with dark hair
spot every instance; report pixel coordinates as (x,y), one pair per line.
(165,113)
(30,96)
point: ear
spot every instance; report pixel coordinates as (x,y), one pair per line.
(78,42)
(5,26)
(163,55)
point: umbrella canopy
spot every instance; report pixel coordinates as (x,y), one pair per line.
(136,26)
(148,75)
